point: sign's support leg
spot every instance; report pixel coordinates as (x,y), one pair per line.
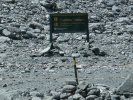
(51,40)
(75,70)
(87,36)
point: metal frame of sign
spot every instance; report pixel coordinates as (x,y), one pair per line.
(69,23)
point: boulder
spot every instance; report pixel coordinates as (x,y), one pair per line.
(69,89)
(96,51)
(35,25)
(124,20)
(77,97)
(94,91)
(91,97)
(129,29)
(4,39)
(64,96)
(5,32)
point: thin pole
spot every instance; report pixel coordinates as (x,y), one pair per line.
(75,70)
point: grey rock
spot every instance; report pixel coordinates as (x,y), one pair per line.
(64,96)
(62,39)
(115,97)
(61,53)
(51,5)
(36,98)
(96,26)
(36,25)
(13,29)
(37,31)
(29,35)
(68,89)
(4,39)
(55,95)
(96,51)
(35,1)
(103,53)
(12,32)
(124,20)
(77,97)
(116,9)
(83,85)
(94,91)
(6,32)
(129,29)
(91,97)
(41,36)
(36,94)
(81,92)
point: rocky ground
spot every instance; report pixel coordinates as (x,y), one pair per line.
(105,62)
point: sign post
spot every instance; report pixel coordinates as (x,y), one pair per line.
(69,23)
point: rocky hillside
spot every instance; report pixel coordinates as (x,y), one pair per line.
(24,32)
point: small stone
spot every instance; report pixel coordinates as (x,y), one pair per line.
(96,51)
(76,55)
(5,85)
(61,53)
(37,31)
(91,97)
(68,89)
(103,53)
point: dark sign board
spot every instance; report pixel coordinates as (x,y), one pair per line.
(68,22)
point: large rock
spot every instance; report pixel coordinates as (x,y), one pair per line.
(64,96)
(5,32)
(124,20)
(94,91)
(69,89)
(36,94)
(77,97)
(36,25)
(129,29)
(116,10)
(4,39)
(96,26)
(12,32)
(91,97)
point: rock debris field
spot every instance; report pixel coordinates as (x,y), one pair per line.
(103,65)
